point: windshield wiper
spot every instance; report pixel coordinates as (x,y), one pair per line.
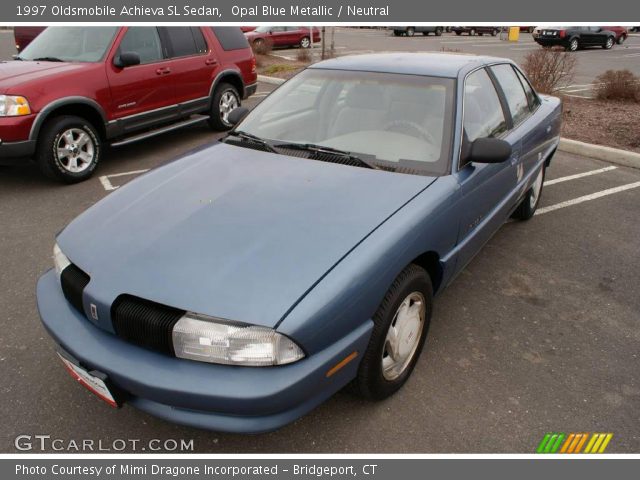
(253,138)
(311,147)
(47,59)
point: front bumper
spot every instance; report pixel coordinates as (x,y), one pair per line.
(250,90)
(13,150)
(215,397)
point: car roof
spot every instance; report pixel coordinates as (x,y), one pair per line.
(450,65)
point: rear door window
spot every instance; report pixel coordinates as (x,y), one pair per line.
(534,101)
(181,41)
(513,91)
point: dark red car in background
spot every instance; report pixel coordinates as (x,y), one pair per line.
(621,33)
(493,31)
(283,36)
(24,35)
(74,90)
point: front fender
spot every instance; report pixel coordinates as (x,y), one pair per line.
(349,294)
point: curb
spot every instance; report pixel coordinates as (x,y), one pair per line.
(599,152)
(271,80)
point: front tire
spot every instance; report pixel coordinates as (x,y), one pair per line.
(410,32)
(531,200)
(225,100)
(438,32)
(609,43)
(305,42)
(621,39)
(400,328)
(69,149)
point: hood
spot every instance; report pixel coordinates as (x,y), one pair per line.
(230,232)
(16,73)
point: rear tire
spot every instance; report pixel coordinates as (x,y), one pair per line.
(531,200)
(458,32)
(400,328)
(438,32)
(305,42)
(69,149)
(573,45)
(410,32)
(621,39)
(225,99)
(494,32)
(472,32)
(609,43)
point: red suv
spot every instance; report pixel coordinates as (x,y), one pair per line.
(75,89)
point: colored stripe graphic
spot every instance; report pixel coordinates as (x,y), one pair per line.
(554,442)
(550,443)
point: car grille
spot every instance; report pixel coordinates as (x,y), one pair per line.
(145,323)
(73,281)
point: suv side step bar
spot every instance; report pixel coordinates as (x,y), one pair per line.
(159,131)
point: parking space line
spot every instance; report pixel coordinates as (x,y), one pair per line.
(106,182)
(587,198)
(578,175)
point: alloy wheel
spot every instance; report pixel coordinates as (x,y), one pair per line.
(228,103)
(75,150)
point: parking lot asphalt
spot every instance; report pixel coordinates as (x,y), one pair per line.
(591,62)
(539,333)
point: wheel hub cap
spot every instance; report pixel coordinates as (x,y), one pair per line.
(535,190)
(403,336)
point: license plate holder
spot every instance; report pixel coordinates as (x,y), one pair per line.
(96,382)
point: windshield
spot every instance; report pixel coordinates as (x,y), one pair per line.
(70,44)
(402,122)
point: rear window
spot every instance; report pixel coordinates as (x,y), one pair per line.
(230,38)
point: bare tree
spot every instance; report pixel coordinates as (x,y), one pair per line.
(549,69)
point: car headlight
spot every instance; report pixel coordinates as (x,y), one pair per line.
(60,260)
(207,339)
(13,106)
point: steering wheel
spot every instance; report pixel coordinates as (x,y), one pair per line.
(422,132)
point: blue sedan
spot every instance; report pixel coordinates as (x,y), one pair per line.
(240,286)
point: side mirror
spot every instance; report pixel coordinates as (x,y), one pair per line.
(489,150)
(237,114)
(126,59)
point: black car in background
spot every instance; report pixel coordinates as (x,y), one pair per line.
(574,38)
(411,31)
(493,31)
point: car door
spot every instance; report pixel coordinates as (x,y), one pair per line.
(521,103)
(193,63)
(598,34)
(141,95)
(484,186)
(279,36)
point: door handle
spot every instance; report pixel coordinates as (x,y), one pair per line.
(163,71)
(211,61)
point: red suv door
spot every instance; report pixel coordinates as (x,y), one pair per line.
(194,63)
(143,94)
